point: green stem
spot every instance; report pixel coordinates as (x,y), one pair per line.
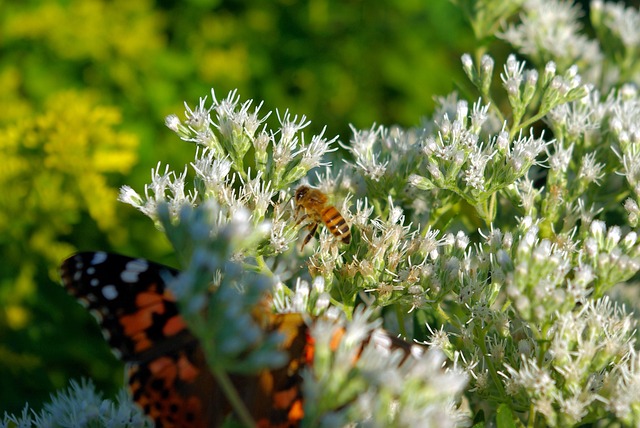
(492,369)
(376,207)
(400,317)
(443,314)
(262,266)
(484,209)
(232,395)
(526,124)
(532,416)
(444,214)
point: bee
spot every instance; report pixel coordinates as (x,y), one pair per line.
(314,204)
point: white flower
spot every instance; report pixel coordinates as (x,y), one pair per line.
(213,171)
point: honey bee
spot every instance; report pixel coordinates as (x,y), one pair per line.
(314,204)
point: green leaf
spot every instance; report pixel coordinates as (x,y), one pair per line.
(504,418)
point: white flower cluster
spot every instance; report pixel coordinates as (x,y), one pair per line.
(372,378)
(224,134)
(514,309)
(81,405)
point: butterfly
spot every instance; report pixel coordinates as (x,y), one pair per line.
(168,374)
(167,371)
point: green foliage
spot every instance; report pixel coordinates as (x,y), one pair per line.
(55,171)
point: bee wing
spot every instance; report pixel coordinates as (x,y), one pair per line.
(316,197)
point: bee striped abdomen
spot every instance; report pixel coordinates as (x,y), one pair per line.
(336,224)
(313,204)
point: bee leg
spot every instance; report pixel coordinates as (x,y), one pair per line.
(312,231)
(301,219)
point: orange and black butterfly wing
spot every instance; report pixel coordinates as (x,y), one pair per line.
(277,400)
(168,374)
(139,317)
(177,390)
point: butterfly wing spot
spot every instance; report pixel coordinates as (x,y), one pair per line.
(133,269)
(99,258)
(130,277)
(87,301)
(110,292)
(137,265)
(296,413)
(173,326)
(157,384)
(283,399)
(95,313)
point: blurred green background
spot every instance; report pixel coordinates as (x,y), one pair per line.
(84,89)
